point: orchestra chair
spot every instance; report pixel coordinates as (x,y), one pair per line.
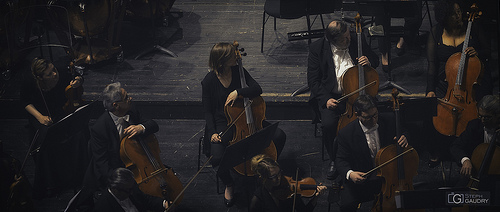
(316,120)
(318,130)
(204,148)
(36,27)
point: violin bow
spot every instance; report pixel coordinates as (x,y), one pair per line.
(190,181)
(295,189)
(387,162)
(356,91)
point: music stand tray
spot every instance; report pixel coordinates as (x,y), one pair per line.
(248,147)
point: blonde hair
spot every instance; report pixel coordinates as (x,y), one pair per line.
(261,164)
(38,66)
(219,55)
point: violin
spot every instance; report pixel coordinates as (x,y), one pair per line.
(142,157)
(458,106)
(355,78)
(397,176)
(306,187)
(73,95)
(255,111)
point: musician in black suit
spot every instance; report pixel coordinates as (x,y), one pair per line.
(123,194)
(329,58)
(119,120)
(358,144)
(478,131)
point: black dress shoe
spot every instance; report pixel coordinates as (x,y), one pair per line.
(386,68)
(229,203)
(332,172)
(433,163)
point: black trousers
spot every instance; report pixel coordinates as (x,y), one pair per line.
(329,123)
(353,194)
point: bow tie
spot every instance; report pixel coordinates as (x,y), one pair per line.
(125,118)
(339,51)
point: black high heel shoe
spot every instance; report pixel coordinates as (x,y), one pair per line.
(401,51)
(229,202)
(433,163)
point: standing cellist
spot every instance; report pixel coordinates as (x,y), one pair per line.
(221,87)
(446,39)
(329,57)
(358,144)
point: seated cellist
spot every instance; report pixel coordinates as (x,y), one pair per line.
(220,87)
(359,143)
(120,119)
(480,130)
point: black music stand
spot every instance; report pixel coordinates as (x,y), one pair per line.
(155,46)
(67,126)
(63,145)
(248,147)
(390,9)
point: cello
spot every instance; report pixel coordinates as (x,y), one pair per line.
(397,176)
(458,106)
(354,78)
(485,161)
(255,111)
(142,157)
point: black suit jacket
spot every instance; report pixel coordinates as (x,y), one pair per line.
(104,146)
(353,151)
(465,144)
(143,202)
(321,76)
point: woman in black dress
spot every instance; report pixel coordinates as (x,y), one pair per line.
(43,97)
(221,87)
(446,39)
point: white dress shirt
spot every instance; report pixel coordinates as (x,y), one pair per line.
(488,136)
(373,141)
(342,60)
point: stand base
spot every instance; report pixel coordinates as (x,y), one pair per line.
(390,84)
(156,47)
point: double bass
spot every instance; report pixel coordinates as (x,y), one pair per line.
(398,167)
(458,106)
(142,157)
(251,122)
(357,77)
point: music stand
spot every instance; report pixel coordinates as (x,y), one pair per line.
(389,9)
(248,147)
(63,145)
(70,124)
(156,46)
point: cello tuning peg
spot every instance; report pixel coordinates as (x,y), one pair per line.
(242,49)
(244,54)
